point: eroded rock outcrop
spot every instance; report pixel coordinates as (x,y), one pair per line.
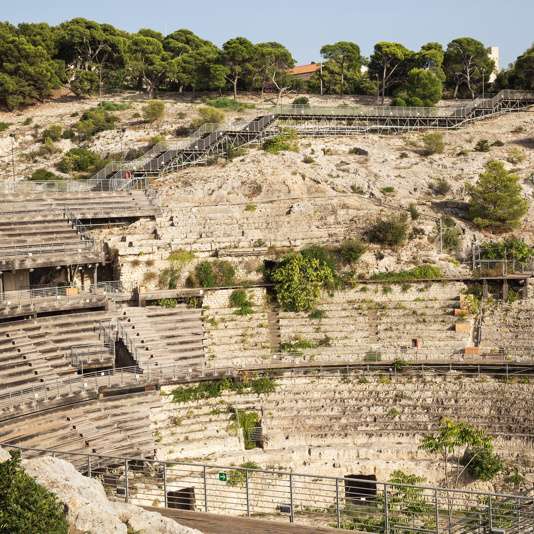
(87,507)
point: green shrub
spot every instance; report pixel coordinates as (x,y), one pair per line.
(169,277)
(511,248)
(215,274)
(155,139)
(387,289)
(49,146)
(308,159)
(300,344)
(515,156)
(406,287)
(387,190)
(78,159)
(285,140)
(358,151)
(451,239)
(28,121)
(53,132)
(301,101)
(482,146)
(208,115)
(25,506)
(166,303)
(68,134)
(5,125)
(226,103)
(372,356)
(423,272)
(181,256)
(95,121)
(114,106)
(433,144)
(154,110)
(414,212)
(403,155)
(482,464)
(250,207)
(323,255)
(352,250)
(440,186)
(44,175)
(317,314)
(497,143)
(391,231)
(239,299)
(298,281)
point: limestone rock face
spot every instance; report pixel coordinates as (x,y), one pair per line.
(88,509)
(140,519)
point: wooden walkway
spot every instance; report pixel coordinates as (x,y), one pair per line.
(227,524)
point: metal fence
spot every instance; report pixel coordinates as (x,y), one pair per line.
(80,354)
(61,388)
(60,294)
(349,503)
(51,251)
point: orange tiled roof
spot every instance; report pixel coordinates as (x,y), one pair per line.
(305,69)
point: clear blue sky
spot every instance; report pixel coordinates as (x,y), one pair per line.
(303,26)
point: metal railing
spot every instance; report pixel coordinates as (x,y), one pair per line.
(60,294)
(122,335)
(43,251)
(347,503)
(80,354)
(185,373)
(484,268)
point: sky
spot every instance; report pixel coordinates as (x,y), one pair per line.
(304,26)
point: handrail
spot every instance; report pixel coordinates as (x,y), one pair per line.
(184,373)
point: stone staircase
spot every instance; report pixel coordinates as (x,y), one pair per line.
(39,350)
(166,336)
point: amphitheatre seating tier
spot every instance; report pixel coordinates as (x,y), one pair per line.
(388,326)
(193,429)
(166,336)
(84,205)
(282,223)
(37,350)
(118,425)
(330,411)
(508,326)
(312,408)
(236,340)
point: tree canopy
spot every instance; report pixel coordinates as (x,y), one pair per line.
(496,202)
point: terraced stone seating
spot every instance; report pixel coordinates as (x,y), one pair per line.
(193,429)
(236,340)
(118,425)
(166,336)
(18,232)
(283,223)
(508,326)
(37,350)
(351,328)
(323,411)
(83,205)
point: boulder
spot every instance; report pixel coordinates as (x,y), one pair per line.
(142,520)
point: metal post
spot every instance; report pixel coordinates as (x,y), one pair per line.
(490,518)
(126,493)
(248,495)
(386,517)
(337,504)
(292,513)
(436,509)
(165,484)
(89,466)
(205,490)
(440,236)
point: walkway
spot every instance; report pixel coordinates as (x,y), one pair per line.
(224,524)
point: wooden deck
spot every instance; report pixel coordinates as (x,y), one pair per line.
(227,524)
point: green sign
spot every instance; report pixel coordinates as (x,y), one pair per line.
(222,477)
